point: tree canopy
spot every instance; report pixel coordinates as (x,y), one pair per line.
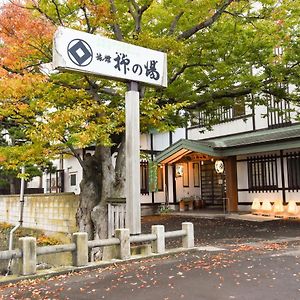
(218,51)
(212,47)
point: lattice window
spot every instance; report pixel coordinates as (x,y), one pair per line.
(262,173)
(293,170)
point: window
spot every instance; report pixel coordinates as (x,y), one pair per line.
(262,173)
(185,175)
(238,110)
(60,181)
(196,174)
(73,179)
(160,181)
(144,177)
(293,169)
(48,185)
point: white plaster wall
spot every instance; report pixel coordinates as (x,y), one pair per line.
(231,127)
(170,184)
(190,191)
(161,141)
(146,199)
(72,166)
(292,196)
(145,142)
(295,113)
(249,197)
(34,183)
(242,175)
(178,134)
(260,122)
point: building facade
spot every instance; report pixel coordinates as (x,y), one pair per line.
(252,153)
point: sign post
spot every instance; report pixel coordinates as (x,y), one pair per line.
(132,117)
(77,51)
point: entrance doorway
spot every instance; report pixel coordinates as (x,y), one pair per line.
(213,185)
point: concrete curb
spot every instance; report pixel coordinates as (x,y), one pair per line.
(45,274)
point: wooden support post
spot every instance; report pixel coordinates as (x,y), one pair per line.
(231,184)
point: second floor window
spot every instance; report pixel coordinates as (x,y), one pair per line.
(219,115)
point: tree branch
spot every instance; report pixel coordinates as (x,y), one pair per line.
(88,24)
(137,13)
(222,94)
(58,13)
(36,7)
(184,67)
(116,27)
(243,16)
(175,22)
(75,153)
(92,86)
(208,22)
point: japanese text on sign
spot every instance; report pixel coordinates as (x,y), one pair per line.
(87,53)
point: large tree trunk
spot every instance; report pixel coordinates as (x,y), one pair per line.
(90,194)
(101,180)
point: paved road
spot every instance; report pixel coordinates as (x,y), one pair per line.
(266,271)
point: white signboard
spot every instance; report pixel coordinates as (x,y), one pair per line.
(83,52)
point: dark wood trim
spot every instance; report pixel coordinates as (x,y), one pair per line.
(245,203)
(259,191)
(167,195)
(152,158)
(282,177)
(170,138)
(174,183)
(152,204)
(253,116)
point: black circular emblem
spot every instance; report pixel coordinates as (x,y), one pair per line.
(80,52)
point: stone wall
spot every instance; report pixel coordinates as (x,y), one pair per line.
(49,212)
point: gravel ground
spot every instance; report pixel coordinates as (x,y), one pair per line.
(223,231)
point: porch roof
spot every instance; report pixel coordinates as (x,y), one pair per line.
(238,144)
(184,147)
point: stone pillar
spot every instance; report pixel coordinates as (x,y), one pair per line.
(28,260)
(124,247)
(80,255)
(158,246)
(188,239)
